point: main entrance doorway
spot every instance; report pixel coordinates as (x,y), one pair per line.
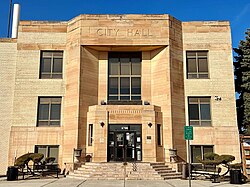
(124,143)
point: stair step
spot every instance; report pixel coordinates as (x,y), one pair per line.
(115,171)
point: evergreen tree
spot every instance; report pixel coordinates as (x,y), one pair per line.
(242,83)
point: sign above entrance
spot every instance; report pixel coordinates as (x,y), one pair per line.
(188,133)
(123,32)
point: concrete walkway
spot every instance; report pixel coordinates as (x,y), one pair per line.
(70,182)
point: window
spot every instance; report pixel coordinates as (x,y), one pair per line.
(199,111)
(49,111)
(51,65)
(159,141)
(124,76)
(90,140)
(197,65)
(48,151)
(200,150)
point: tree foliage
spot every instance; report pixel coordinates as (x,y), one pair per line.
(242,83)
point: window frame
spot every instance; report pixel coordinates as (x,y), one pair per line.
(202,151)
(52,57)
(49,111)
(120,76)
(90,135)
(198,73)
(159,134)
(199,112)
(48,147)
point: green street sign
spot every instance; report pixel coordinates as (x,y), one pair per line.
(188,133)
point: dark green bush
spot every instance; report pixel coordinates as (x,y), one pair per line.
(50,159)
(24,159)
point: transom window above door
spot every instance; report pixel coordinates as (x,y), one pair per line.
(124,76)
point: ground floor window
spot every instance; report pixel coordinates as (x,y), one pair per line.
(124,143)
(48,151)
(200,150)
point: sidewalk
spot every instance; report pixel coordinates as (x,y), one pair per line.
(70,182)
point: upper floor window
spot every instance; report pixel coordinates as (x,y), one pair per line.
(197,64)
(49,111)
(51,65)
(199,111)
(124,76)
(48,151)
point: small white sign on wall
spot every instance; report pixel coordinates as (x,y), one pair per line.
(101,140)
(149,139)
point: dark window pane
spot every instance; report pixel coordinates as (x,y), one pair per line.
(43,111)
(46,65)
(57,66)
(113,85)
(193,112)
(114,66)
(205,111)
(207,149)
(58,54)
(136,66)
(196,151)
(194,123)
(205,123)
(55,111)
(124,98)
(203,65)
(45,76)
(42,150)
(125,66)
(43,123)
(136,85)
(113,98)
(192,65)
(136,98)
(191,54)
(53,152)
(205,100)
(125,85)
(203,76)
(192,76)
(202,53)
(57,76)
(54,123)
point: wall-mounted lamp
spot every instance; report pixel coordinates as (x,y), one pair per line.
(150,124)
(102,123)
(103,102)
(217,98)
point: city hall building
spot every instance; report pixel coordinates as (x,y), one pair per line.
(119,87)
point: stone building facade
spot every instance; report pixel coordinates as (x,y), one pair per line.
(119,87)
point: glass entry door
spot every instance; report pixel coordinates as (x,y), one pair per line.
(124,144)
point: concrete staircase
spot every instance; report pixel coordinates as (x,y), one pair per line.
(118,171)
(165,171)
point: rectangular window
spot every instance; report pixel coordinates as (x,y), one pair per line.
(90,140)
(199,111)
(49,111)
(159,137)
(124,76)
(48,151)
(200,150)
(197,64)
(51,65)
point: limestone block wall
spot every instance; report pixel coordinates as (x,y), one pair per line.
(7,83)
(216,38)
(32,38)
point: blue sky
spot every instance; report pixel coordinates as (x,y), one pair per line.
(236,11)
